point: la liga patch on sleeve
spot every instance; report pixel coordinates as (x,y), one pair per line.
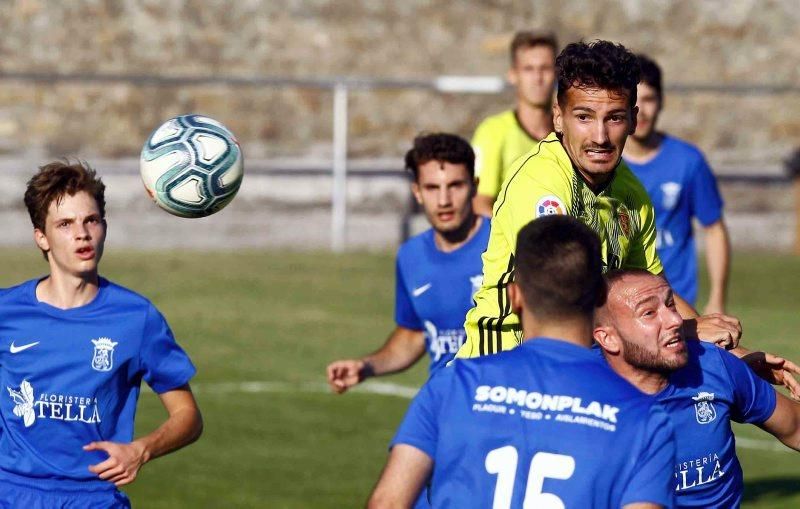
(549,206)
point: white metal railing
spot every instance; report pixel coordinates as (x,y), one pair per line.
(341,87)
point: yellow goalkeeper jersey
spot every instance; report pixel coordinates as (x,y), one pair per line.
(498,141)
(543,182)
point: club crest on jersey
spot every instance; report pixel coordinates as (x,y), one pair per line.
(704,409)
(624,220)
(103,359)
(549,206)
(476,282)
(670,191)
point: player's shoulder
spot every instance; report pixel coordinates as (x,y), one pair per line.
(16,292)
(707,366)
(117,295)
(546,163)
(573,366)
(708,356)
(497,121)
(688,154)
(415,245)
(703,351)
(681,146)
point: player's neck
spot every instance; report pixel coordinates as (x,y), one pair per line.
(643,150)
(595,182)
(450,241)
(67,291)
(537,121)
(577,331)
(649,382)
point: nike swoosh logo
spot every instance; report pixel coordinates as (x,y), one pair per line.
(422,289)
(18,349)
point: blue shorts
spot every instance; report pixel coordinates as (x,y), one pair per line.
(16,495)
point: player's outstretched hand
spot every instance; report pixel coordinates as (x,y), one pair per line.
(775,370)
(123,463)
(346,373)
(722,330)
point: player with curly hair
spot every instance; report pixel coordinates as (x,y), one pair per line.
(578,171)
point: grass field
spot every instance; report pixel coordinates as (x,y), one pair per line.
(277,319)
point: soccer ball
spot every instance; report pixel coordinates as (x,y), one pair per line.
(191,166)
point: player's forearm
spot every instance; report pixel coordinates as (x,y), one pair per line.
(784,423)
(182,427)
(403,478)
(718,253)
(792,441)
(686,310)
(403,348)
(381,500)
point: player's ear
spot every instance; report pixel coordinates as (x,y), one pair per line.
(41,240)
(608,341)
(416,192)
(512,77)
(558,121)
(515,298)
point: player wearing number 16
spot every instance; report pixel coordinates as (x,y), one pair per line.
(544,425)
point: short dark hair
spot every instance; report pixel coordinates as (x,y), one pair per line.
(598,64)
(651,73)
(55,180)
(531,39)
(445,147)
(613,276)
(559,267)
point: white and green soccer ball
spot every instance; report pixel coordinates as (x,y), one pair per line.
(191,166)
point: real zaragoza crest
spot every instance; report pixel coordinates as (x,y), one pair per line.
(704,409)
(103,359)
(624,220)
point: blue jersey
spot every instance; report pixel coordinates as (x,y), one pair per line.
(72,376)
(434,290)
(681,187)
(547,421)
(702,399)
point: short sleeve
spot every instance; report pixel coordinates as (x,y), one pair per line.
(164,363)
(642,254)
(404,313)
(488,159)
(753,397)
(704,194)
(420,426)
(652,480)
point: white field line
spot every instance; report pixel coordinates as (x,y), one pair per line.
(400,391)
(257,387)
(762,445)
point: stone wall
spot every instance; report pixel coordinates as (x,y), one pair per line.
(50,106)
(698,43)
